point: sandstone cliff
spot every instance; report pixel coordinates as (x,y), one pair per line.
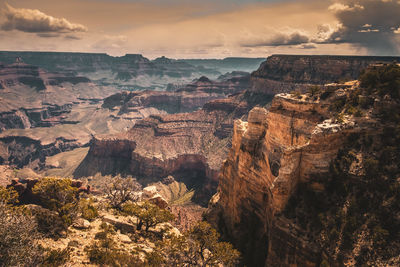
(278,153)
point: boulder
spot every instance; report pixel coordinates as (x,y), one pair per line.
(81,224)
(158,200)
(124,227)
(150,191)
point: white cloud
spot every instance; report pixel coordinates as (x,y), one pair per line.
(35,21)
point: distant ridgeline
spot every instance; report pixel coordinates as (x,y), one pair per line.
(90,62)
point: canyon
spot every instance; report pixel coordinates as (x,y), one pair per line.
(249,142)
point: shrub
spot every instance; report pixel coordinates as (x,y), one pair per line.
(200,246)
(148,214)
(105,251)
(314,90)
(58,195)
(49,223)
(18,238)
(121,191)
(296,94)
(56,257)
(8,196)
(88,209)
(383,79)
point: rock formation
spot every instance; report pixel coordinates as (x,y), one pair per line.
(285,73)
(302,175)
(190,146)
(271,154)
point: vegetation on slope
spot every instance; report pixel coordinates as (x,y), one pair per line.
(117,228)
(356,218)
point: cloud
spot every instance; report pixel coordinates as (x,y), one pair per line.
(308,46)
(48,35)
(35,21)
(278,39)
(111,43)
(371,24)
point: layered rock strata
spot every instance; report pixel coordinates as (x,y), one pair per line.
(271,154)
(190,146)
(285,73)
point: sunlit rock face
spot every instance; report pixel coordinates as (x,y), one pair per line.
(271,153)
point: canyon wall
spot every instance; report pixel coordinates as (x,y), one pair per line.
(271,154)
(286,73)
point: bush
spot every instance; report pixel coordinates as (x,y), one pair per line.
(57,257)
(88,209)
(8,196)
(148,214)
(200,246)
(121,191)
(58,195)
(296,94)
(18,238)
(49,223)
(105,252)
(314,90)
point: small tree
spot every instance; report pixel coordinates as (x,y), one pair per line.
(148,214)
(121,191)
(58,195)
(314,90)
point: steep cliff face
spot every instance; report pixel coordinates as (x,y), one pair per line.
(314,180)
(271,154)
(285,73)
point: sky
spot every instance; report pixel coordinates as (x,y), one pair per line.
(202,28)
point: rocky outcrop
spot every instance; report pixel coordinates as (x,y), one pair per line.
(271,154)
(229,83)
(285,73)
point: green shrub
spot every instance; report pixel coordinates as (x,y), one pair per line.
(8,196)
(88,209)
(314,90)
(200,246)
(57,257)
(58,195)
(148,214)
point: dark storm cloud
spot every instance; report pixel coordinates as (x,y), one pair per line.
(373,24)
(278,39)
(35,21)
